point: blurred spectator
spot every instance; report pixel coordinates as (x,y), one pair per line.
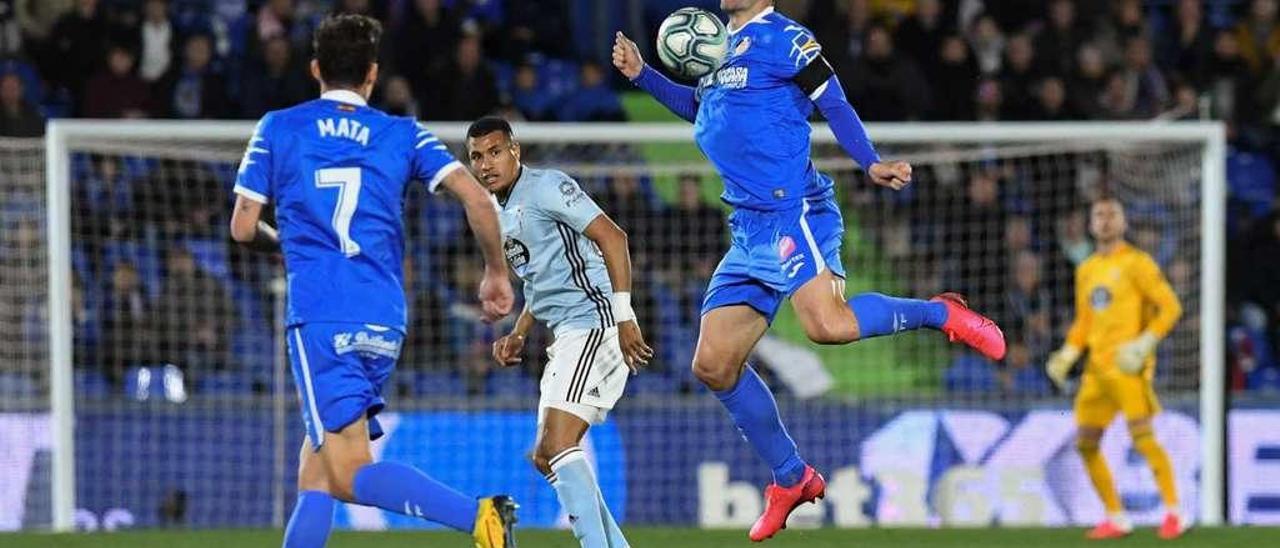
(956,75)
(471,89)
(1028,303)
(126,324)
(184,199)
(275,19)
(75,49)
(1124,22)
(1228,79)
(533,26)
(694,233)
(426,344)
(37,19)
(1087,83)
(281,82)
(397,98)
(1257,34)
(989,101)
(974,239)
(1185,104)
(1056,44)
(116,91)
(1142,80)
(883,84)
(530,96)
(1052,104)
(919,37)
(423,47)
(626,204)
(1018,78)
(1260,279)
(194,317)
(987,42)
(107,202)
(843,35)
(593,101)
(18,118)
(1188,46)
(194,89)
(158,39)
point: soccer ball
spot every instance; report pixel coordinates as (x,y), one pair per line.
(692,42)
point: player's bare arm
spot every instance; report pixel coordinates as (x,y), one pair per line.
(248,228)
(612,241)
(496,297)
(507,349)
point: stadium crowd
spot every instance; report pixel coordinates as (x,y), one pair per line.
(157,283)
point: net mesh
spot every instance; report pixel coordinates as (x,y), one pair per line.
(186,416)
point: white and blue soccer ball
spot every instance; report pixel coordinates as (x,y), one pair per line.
(692,42)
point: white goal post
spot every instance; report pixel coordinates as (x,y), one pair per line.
(64,136)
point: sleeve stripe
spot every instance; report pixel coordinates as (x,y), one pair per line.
(818,92)
(250,194)
(439,147)
(442,173)
(257,150)
(426,142)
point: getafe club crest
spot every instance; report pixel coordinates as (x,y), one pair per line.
(742,45)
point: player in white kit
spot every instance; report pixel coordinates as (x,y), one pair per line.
(576,270)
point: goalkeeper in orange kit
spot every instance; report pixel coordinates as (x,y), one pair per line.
(1124,306)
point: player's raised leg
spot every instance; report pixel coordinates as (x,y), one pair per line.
(827,318)
(727,336)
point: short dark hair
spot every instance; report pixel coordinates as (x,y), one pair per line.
(345,47)
(487,125)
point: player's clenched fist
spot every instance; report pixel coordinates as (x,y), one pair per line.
(507,350)
(631,342)
(495,294)
(626,56)
(895,174)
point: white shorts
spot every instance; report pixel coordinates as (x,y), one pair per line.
(585,374)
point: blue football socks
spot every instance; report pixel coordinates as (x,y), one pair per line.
(879,314)
(755,412)
(311,521)
(406,490)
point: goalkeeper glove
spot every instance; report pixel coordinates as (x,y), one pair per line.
(1132,355)
(1059,364)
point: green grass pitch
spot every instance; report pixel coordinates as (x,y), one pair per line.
(1244,537)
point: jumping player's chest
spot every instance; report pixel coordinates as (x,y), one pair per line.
(743,69)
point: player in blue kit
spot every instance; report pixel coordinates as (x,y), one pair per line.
(336,171)
(750,119)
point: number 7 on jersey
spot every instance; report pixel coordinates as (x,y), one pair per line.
(347,181)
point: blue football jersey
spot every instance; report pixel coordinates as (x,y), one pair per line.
(336,171)
(753,120)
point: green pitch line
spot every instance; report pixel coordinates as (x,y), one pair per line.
(669,538)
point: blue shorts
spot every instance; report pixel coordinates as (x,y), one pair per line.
(774,253)
(339,369)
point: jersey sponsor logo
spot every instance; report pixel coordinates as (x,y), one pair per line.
(517,255)
(345,128)
(731,77)
(365,343)
(1100,298)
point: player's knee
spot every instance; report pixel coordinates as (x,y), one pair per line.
(1088,441)
(716,374)
(546,451)
(342,477)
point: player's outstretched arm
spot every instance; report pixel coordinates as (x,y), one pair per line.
(680,100)
(496,297)
(248,228)
(612,241)
(1132,355)
(819,82)
(1059,364)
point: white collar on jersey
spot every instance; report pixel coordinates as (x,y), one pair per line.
(759,18)
(344,96)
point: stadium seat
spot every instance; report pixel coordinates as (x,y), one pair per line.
(91,384)
(511,384)
(18,385)
(224,383)
(1251,181)
(425,384)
